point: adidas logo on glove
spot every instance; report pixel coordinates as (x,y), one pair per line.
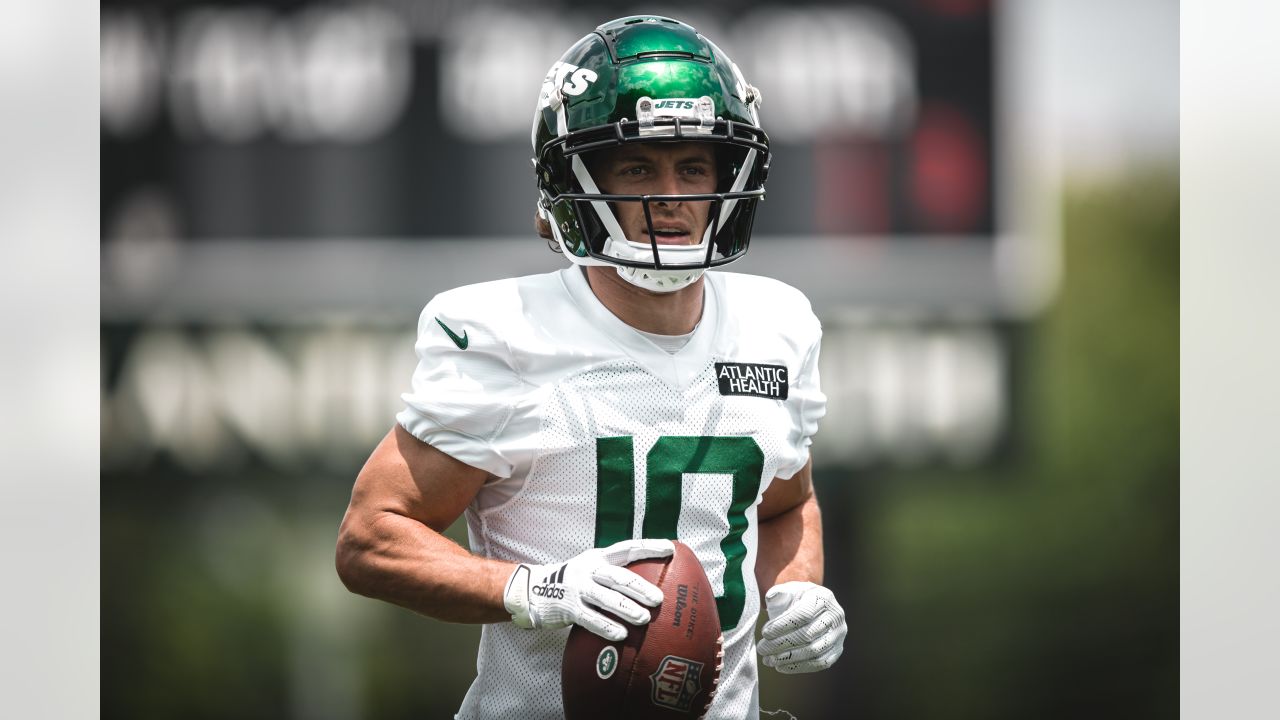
(546,590)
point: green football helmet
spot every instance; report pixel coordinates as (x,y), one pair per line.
(646,79)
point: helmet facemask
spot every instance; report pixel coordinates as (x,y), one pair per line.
(643,250)
(645,260)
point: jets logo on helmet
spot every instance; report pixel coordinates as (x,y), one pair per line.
(568,79)
(647,79)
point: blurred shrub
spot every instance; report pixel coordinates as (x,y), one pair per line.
(1049,587)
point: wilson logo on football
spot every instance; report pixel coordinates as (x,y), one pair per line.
(675,683)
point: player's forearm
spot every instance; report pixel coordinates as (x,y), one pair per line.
(790,546)
(399,560)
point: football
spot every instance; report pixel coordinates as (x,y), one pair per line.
(666,669)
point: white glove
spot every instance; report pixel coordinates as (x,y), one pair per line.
(806,628)
(561,594)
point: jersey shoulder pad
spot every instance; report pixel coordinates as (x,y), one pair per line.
(471,317)
(490,315)
(765,300)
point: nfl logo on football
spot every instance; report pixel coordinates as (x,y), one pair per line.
(675,683)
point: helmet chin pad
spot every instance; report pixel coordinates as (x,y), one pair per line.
(675,256)
(660,281)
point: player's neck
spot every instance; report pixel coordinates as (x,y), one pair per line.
(674,313)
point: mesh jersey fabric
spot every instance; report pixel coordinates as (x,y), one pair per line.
(594,434)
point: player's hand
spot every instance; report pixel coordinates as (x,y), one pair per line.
(806,628)
(568,593)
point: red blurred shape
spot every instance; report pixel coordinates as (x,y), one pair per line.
(853,186)
(955,8)
(948,171)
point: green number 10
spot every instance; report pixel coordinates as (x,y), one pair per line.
(671,457)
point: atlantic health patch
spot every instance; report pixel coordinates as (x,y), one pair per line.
(754,379)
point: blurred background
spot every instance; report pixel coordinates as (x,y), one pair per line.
(980,198)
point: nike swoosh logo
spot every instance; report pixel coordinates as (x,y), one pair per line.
(461,342)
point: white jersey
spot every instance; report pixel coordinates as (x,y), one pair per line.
(593,434)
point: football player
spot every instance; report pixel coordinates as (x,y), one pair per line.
(582,419)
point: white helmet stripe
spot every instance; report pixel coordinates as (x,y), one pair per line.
(738,183)
(601,207)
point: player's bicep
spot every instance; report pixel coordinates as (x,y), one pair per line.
(409,477)
(785,495)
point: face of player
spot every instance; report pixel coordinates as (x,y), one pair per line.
(685,168)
